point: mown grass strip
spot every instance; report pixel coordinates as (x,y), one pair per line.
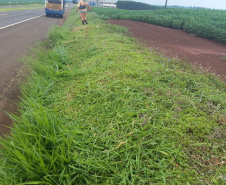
(99,108)
(6,8)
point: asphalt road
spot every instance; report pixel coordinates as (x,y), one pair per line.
(19,30)
(15,17)
(17,36)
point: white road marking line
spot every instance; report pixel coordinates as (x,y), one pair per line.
(20,22)
(2,14)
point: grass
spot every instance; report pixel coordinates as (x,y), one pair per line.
(20,7)
(223,59)
(100,108)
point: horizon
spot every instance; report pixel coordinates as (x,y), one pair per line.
(208,4)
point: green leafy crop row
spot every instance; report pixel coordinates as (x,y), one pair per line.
(131,5)
(201,22)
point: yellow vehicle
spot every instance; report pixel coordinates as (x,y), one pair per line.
(55,7)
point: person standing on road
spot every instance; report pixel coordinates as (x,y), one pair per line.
(83,6)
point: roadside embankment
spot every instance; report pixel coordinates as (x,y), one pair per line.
(100,108)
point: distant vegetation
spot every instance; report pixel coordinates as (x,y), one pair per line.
(190,7)
(10,2)
(74,1)
(201,22)
(131,5)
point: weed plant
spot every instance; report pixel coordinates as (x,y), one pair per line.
(100,108)
(223,59)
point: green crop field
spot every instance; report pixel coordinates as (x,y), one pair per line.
(98,108)
(205,23)
(130,5)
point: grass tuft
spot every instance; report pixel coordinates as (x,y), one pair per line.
(99,108)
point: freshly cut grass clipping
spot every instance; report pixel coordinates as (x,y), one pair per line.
(99,108)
